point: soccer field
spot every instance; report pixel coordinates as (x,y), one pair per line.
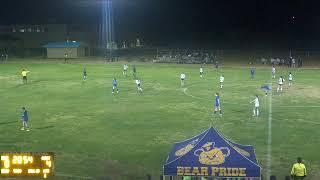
(97,135)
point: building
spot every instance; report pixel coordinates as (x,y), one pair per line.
(59,49)
(28,39)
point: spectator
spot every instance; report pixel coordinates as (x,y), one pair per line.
(293,62)
(299,170)
(2,58)
(6,58)
(65,58)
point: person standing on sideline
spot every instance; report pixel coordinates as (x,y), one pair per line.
(201,71)
(256,106)
(298,171)
(24,119)
(24,76)
(293,62)
(217,64)
(252,72)
(273,71)
(182,78)
(6,58)
(65,58)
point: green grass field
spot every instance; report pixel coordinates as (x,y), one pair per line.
(126,136)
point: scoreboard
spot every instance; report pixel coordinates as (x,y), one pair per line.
(26,164)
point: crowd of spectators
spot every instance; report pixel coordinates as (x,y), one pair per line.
(188,56)
(290,62)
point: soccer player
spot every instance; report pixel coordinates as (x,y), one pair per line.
(281,82)
(252,72)
(134,71)
(256,106)
(84,72)
(221,81)
(138,82)
(290,79)
(273,71)
(24,76)
(182,77)
(125,69)
(266,88)
(115,85)
(201,71)
(217,105)
(24,119)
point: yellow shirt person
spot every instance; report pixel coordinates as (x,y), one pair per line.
(24,76)
(299,170)
(24,72)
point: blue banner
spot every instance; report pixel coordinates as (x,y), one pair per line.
(210,154)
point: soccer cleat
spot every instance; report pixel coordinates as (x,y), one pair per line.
(22,129)
(28,130)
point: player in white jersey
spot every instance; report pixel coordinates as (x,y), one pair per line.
(201,71)
(280,84)
(290,79)
(125,69)
(273,71)
(256,106)
(138,82)
(182,77)
(221,81)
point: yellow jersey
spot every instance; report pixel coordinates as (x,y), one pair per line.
(24,73)
(299,169)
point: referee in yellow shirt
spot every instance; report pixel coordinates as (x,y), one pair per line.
(299,170)
(24,76)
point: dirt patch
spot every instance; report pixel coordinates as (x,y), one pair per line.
(304,92)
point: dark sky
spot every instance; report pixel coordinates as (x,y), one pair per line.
(206,22)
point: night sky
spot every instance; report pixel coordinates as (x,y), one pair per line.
(228,23)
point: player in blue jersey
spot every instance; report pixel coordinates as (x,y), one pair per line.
(217,104)
(115,85)
(24,119)
(266,89)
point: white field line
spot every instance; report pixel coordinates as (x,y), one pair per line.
(73,176)
(269,141)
